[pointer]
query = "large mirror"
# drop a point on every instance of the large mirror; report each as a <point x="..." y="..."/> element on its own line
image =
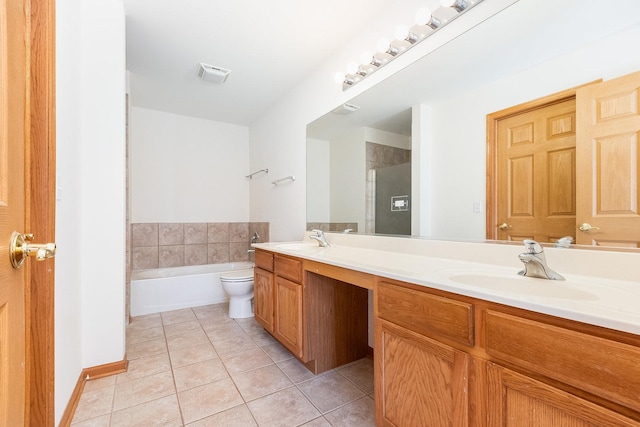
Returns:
<point x="432" y="116"/>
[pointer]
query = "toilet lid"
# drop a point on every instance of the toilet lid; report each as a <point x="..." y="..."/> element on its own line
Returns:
<point x="237" y="275"/>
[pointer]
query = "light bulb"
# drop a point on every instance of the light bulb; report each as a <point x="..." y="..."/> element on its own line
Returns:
<point x="339" y="77"/>
<point x="352" y="68"/>
<point x="383" y="45"/>
<point x="366" y="58"/>
<point x="423" y="16"/>
<point x="402" y="31"/>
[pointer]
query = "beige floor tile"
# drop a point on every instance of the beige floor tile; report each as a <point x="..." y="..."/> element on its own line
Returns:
<point x="143" y="390"/>
<point x="145" y="366"/>
<point x="144" y="322"/>
<point x="330" y="391"/>
<point x="216" y="329"/>
<point x="209" y="311"/>
<point x="360" y="413"/>
<point x="286" y="408"/>
<point x="295" y="370"/>
<point x="234" y="344"/>
<point x="260" y="336"/>
<point x="177" y="316"/>
<point x="240" y="416"/>
<point x="190" y="355"/>
<point x="102" y="421"/>
<point x="161" y="412"/>
<point x="319" y="422"/>
<point x="198" y="374"/>
<point x="96" y="384"/>
<point x="209" y="399"/>
<point x="146" y="348"/>
<point x="187" y="339"/>
<point x="260" y="382"/>
<point x="94" y="403"/>
<point x="277" y="352"/>
<point x="246" y="360"/>
<point x="174" y="329"/>
<point x="135" y="336"/>
<point x="360" y="373"/>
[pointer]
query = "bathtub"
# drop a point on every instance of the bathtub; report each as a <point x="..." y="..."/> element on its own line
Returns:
<point x="164" y="289"/>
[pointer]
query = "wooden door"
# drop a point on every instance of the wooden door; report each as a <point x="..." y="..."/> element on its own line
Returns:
<point x="13" y="137"/>
<point x="519" y="401"/>
<point x="419" y="381"/>
<point x="27" y="205"/>
<point x="536" y="177"/>
<point x="288" y="314"/>
<point x="263" y="298"/>
<point x="608" y="158"/>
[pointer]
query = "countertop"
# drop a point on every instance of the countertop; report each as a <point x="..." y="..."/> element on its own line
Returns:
<point x="605" y="302"/>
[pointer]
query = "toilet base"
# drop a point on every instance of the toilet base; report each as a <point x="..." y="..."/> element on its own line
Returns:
<point x="241" y="307"/>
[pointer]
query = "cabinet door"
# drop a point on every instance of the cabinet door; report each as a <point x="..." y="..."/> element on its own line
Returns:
<point x="419" y="381"/>
<point x="288" y="315"/>
<point x="519" y="401"/>
<point x="263" y="298"/>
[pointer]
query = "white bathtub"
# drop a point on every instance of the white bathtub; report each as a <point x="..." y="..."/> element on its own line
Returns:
<point x="164" y="289"/>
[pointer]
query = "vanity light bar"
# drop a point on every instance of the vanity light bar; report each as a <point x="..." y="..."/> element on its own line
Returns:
<point x="407" y="38"/>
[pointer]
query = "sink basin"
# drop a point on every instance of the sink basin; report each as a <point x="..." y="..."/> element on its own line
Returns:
<point x="512" y="283"/>
<point x="298" y="246"/>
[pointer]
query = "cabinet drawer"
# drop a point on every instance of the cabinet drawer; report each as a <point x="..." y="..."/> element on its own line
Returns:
<point x="264" y="260"/>
<point x="289" y="268"/>
<point x="426" y="314"/>
<point x="600" y="366"/>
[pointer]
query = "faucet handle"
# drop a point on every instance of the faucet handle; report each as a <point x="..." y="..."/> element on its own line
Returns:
<point x="532" y="246"/>
<point x="318" y="232"/>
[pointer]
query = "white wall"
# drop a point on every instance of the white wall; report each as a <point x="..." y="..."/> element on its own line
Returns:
<point x="348" y="177"/>
<point x="68" y="287"/>
<point x="318" y="179"/>
<point x="458" y="152"/>
<point x="387" y="138"/>
<point x="90" y="209"/>
<point x="185" y="169"/>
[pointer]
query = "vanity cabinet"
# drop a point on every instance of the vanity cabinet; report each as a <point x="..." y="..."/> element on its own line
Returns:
<point x="263" y="291"/>
<point x="421" y="380"/>
<point x="317" y="312"/>
<point x="278" y="299"/>
<point x="446" y="359"/>
<point x="546" y="371"/>
<point x="518" y="400"/>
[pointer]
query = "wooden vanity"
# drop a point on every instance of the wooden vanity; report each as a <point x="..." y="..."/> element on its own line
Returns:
<point x="446" y="359"/>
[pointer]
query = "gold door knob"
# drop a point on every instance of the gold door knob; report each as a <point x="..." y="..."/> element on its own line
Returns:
<point x="587" y="227"/>
<point x="20" y="248"/>
<point x="504" y="226"/>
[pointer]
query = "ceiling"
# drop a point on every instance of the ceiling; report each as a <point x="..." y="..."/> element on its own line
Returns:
<point x="268" y="46"/>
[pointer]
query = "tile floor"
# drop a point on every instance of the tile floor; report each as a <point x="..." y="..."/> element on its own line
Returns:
<point x="198" y="367"/>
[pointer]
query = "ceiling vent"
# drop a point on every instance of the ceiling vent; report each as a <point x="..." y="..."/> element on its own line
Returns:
<point x="345" y="109"/>
<point x="210" y="73"/>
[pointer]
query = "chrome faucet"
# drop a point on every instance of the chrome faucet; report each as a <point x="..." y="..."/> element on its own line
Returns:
<point x="319" y="237"/>
<point x="535" y="263"/>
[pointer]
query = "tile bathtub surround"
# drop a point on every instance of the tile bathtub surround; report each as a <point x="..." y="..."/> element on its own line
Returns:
<point x="158" y="245"/>
<point x="198" y="367"/>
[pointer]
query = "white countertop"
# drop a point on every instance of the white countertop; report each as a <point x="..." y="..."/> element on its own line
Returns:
<point x="602" y="301"/>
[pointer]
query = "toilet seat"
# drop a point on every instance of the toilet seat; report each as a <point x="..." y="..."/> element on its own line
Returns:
<point x="237" y="275"/>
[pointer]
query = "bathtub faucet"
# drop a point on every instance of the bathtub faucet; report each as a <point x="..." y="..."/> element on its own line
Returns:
<point x="319" y="237"/>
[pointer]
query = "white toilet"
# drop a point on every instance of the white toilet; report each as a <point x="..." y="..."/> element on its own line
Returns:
<point x="238" y="285"/>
